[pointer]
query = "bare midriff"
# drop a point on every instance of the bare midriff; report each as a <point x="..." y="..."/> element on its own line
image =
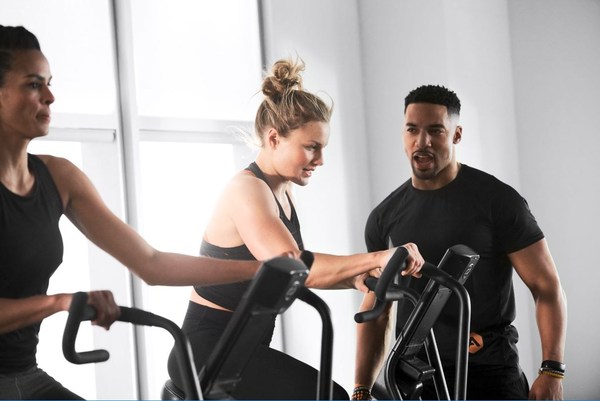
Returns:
<point x="205" y="302"/>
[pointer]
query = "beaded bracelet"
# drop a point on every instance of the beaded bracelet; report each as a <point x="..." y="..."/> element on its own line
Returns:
<point x="361" y="393"/>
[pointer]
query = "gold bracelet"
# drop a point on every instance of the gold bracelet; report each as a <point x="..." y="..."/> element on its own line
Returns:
<point x="551" y="373"/>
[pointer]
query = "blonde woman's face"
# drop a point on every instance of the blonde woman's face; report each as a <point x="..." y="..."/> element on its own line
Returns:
<point x="297" y="156"/>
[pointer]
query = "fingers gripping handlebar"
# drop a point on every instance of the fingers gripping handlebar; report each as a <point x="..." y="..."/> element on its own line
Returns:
<point x="380" y="286"/>
<point x="80" y="311"/>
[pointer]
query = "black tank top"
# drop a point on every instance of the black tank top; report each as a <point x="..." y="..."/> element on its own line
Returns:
<point x="31" y="249"/>
<point x="229" y="295"/>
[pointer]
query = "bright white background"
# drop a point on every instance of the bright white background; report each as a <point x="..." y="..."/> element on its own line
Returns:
<point x="526" y="72"/>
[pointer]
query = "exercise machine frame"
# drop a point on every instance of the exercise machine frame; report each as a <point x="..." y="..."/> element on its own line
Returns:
<point x="403" y="373"/>
<point x="277" y="284"/>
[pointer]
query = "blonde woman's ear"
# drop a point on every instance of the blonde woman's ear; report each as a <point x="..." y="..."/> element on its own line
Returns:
<point x="273" y="137"/>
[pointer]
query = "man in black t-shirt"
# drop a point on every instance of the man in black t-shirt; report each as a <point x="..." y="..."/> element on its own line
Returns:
<point x="447" y="203"/>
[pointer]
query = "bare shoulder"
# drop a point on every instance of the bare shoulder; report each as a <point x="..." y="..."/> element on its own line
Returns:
<point x="58" y="166"/>
<point x="69" y="179"/>
<point x="243" y="196"/>
<point x="247" y="184"/>
<point x="247" y="194"/>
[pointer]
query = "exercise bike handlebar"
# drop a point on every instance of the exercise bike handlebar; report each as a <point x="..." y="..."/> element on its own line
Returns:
<point x="381" y="285"/>
<point x="386" y="290"/>
<point x="80" y="311"/>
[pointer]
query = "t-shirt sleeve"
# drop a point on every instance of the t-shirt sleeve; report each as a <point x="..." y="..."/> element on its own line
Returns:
<point x="516" y="227"/>
<point x="374" y="236"/>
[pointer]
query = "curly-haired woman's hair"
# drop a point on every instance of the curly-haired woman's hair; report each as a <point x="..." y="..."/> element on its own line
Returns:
<point x="14" y="38"/>
<point x="434" y="94"/>
<point x="287" y="106"/>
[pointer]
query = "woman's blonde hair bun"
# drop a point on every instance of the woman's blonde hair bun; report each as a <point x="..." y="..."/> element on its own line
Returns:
<point x="284" y="77"/>
<point x="287" y="105"/>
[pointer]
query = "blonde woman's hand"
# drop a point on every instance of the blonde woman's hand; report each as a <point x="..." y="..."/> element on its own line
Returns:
<point x="414" y="260"/>
<point x="359" y="281"/>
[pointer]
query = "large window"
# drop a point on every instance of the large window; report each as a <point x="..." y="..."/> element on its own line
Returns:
<point x="173" y="213"/>
<point x="197" y="67"/>
<point x="196" y="59"/>
<point x="150" y="95"/>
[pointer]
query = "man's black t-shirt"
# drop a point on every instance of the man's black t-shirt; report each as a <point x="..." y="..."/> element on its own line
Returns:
<point x="479" y="211"/>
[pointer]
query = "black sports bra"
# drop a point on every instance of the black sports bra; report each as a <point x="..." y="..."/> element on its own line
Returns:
<point x="229" y="295"/>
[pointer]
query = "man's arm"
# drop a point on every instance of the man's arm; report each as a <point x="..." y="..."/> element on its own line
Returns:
<point x="372" y="339"/>
<point x="535" y="266"/>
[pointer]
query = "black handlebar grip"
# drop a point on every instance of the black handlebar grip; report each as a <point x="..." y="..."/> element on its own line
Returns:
<point x="307" y="258"/>
<point x="371" y="314"/>
<point x="380" y="286"/>
<point x="393" y="267"/>
<point x="371" y="283"/>
<point x="80" y="311"/>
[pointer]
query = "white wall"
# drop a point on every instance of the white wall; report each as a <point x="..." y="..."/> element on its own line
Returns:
<point x="556" y="59"/>
<point x="527" y="74"/>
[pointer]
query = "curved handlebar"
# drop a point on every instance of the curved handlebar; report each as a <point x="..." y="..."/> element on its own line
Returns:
<point x="80" y="311"/>
<point x="380" y="286"/>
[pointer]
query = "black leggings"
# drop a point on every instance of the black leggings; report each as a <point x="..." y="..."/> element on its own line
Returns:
<point x="33" y="384"/>
<point x="270" y="374"/>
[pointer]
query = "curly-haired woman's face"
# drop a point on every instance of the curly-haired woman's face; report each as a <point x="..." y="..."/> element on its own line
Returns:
<point x="25" y="97"/>
<point x="297" y="156"/>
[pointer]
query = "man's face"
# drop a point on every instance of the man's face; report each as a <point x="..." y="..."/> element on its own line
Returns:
<point x="429" y="136"/>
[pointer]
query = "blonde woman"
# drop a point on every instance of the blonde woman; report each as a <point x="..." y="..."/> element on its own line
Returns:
<point x="255" y="218"/>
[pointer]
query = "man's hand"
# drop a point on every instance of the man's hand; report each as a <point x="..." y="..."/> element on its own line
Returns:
<point x="546" y="388"/>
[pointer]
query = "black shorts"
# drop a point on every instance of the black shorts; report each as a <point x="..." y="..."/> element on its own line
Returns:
<point x="489" y="383"/>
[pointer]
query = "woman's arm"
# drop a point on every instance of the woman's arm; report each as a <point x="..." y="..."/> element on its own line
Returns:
<point x="333" y="271"/>
<point x="253" y="211"/>
<point x="18" y="313"/>
<point x="85" y="208"/>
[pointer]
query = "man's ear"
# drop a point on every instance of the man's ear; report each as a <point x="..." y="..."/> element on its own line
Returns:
<point x="457" y="135"/>
<point x="273" y="138"/>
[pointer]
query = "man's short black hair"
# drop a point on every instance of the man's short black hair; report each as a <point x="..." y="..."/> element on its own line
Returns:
<point x="434" y="94"/>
